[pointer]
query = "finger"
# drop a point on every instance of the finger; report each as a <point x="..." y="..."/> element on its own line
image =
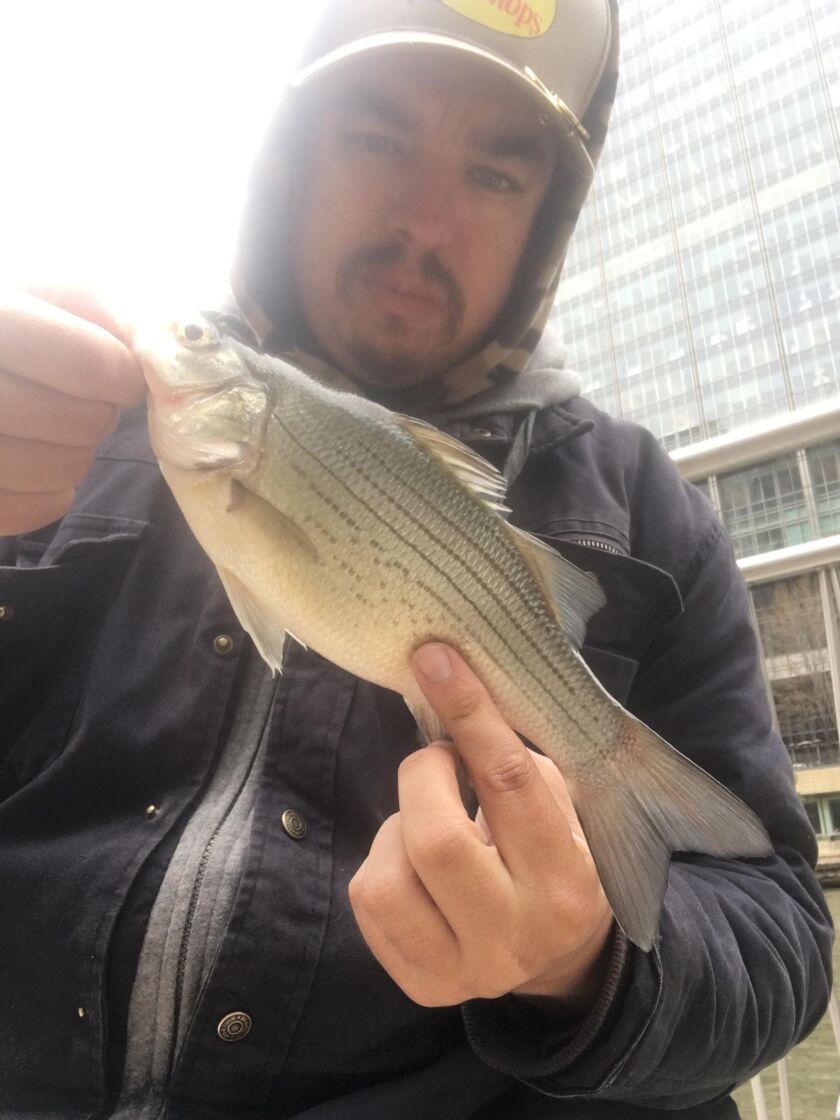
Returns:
<point x="42" y="343"/>
<point x="82" y="303"/>
<point x="32" y="411"/>
<point x="528" y="825"/>
<point x="403" y="928"/>
<point x="462" y="873"/>
<point x="556" y="783"/>
<point x="30" y="467"/>
<point x="24" y="513"/>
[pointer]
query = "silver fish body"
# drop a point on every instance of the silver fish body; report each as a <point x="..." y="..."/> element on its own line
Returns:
<point x="364" y="534"/>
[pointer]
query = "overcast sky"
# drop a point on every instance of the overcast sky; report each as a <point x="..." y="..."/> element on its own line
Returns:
<point x="126" y="130"/>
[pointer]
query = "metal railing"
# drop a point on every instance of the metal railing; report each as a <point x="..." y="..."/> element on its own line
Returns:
<point x="757" y="1086"/>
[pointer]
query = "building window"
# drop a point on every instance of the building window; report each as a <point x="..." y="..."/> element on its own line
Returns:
<point x="764" y="508"/>
<point x="792" y="632"/>
<point x="824" y="463"/>
<point x="824" y="815"/>
<point x="680" y="244"/>
<point x="812" y="808"/>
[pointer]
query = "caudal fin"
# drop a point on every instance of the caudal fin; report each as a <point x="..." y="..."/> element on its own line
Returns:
<point x="659" y="803"/>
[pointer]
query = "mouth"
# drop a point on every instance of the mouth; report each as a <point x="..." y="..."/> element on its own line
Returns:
<point x="405" y="298"/>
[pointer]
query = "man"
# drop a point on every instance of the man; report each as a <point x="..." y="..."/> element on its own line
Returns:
<point x="227" y="895"/>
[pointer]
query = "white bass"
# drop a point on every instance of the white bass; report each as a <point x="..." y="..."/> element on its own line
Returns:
<point x="363" y="534"/>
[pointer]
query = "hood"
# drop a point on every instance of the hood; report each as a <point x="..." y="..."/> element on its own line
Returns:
<point x="491" y="379"/>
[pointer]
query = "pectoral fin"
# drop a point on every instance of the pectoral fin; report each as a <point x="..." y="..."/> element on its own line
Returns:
<point x="244" y="502"/>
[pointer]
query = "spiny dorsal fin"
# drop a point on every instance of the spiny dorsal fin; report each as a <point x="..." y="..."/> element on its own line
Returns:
<point x="575" y="595"/>
<point x="469" y="468"/>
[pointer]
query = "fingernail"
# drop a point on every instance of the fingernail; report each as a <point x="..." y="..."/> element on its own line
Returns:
<point x="433" y="662"/>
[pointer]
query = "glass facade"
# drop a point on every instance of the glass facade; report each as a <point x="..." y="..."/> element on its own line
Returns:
<point x="786" y="501"/>
<point x="824" y="815"/>
<point x="702" y="287"/>
<point x="763" y="508"/>
<point x="702" y="292"/>
<point x="791" y="626"/>
<point x="823" y="464"/>
<point x="781" y="502"/>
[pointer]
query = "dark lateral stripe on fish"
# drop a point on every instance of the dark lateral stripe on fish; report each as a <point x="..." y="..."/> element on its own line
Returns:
<point x="431" y="592"/>
<point x="555" y="670"/>
<point x="560" y="667"/>
<point x="542" y="662"/>
<point x="524" y="604"/>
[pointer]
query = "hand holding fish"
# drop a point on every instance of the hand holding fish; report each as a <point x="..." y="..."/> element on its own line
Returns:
<point x="64" y="371"/>
<point x="456" y="909"/>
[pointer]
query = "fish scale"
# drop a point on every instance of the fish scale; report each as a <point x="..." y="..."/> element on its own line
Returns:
<point x="364" y="534"/>
<point x="456" y="552"/>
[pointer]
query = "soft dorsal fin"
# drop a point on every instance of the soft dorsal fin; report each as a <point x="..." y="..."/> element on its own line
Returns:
<point x="466" y="465"/>
<point x="575" y="595"/>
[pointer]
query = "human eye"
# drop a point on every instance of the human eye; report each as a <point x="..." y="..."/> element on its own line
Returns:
<point x="495" y="181"/>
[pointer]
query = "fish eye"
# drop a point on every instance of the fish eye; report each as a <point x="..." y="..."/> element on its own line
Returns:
<point x="197" y="335"/>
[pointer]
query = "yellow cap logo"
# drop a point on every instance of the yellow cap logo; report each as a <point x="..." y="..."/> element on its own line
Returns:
<point x="524" y="18"/>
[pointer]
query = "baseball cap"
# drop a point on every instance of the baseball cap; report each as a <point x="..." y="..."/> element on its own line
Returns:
<point x="554" y="50"/>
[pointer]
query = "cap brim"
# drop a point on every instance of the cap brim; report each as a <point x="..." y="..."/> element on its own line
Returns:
<point x="553" y="112"/>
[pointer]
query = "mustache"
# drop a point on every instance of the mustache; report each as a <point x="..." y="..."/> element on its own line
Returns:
<point x="372" y="258"/>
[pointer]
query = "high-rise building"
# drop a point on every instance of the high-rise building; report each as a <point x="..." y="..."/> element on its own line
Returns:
<point x="702" y="299"/>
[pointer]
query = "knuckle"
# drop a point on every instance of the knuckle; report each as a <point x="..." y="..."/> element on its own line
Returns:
<point x="465" y="707"/>
<point x="509" y="771"/>
<point x="491" y="977"/>
<point x="427" y="993"/>
<point x="526" y="960"/>
<point x="100" y="419"/>
<point x="411" y="762"/>
<point x="438" y="846"/>
<point x="485" y="988"/>
<point x="379" y="892"/>
<point x="441" y="983"/>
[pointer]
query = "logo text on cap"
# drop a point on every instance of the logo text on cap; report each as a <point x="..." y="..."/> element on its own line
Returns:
<point x="522" y="18"/>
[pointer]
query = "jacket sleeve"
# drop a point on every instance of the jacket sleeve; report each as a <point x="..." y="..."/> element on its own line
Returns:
<point x="742" y="969"/>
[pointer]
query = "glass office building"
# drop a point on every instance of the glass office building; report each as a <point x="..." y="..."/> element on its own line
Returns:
<point x="702" y="295"/>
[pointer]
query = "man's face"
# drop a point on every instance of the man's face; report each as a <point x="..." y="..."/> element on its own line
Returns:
<point x="423" y="184"/>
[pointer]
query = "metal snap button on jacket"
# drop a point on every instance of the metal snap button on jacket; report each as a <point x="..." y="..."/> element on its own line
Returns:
<point x="234" y="1026"/>
<point x="294" y="824"/>
<point x="223" y="643"/>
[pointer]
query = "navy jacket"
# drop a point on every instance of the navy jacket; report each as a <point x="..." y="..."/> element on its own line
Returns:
<point x="114" y="696"/>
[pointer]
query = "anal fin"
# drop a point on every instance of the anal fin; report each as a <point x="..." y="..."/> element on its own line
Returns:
<point x="428" y="721"/>
<point x="262" y="623"/>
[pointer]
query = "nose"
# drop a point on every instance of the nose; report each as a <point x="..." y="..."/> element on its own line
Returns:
<point x="423" y="213"/>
